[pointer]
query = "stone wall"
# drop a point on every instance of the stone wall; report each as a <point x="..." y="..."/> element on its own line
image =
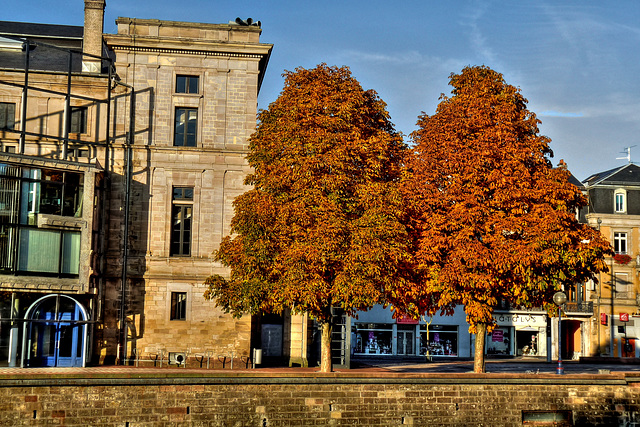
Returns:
<point x="244" y="399"/>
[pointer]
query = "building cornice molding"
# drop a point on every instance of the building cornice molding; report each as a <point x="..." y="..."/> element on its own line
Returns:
<point x="179" y="46"/>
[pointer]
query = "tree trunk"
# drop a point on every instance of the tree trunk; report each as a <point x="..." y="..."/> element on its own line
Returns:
<point x="325" y="344"/>
<point x="478" y="357"/>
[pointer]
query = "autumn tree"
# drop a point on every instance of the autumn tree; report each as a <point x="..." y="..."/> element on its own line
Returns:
<point x="321" y="227"/>
<point x="492" y="219"/>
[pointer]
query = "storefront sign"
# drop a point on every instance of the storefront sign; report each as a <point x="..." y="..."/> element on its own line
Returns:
<point x="497" y="335"/>
<point x="603" y="319"/>
<point x="624" y="317"/>
<point x="515" y="319"/>
<point x="406" y="320"/>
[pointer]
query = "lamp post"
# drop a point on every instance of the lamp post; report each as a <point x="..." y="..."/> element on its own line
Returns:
<point x="559" y="298"/>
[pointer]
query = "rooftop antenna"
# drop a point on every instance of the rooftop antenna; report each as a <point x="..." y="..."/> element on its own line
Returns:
<point x="626" y="151"/>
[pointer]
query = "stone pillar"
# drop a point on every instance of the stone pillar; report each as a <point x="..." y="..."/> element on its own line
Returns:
<point x="15" y="331"/>
<point x="298" y="344"/>
<point x="93" y="29"/>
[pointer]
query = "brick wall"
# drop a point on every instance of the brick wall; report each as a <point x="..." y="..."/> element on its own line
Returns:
<point x="313" y="399"/>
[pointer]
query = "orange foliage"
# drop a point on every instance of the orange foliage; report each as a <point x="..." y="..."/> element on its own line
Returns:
<point x="321" y="227"/>
<point x="491" y="218"/>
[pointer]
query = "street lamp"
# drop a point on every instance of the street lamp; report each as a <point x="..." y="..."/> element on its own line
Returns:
<point x="559" y="298"/>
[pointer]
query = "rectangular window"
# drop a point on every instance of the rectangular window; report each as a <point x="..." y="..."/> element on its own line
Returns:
<point x="621" y="285"/>
<point x="441" y="340"/>
<point x="49" y="251"/>
<point x="187" y="84"/>
<point x="185" y="127"/>
<point x="620" y="202"/>
<point x="7" y="115"/>
<point x="78" y="120"/>
<point x="620" y="243"/>
<point x="178" y="306"/>
<point x="181" y="214"/>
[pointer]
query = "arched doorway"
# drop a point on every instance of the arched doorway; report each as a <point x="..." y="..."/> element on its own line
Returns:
<point x="55" y="332"/>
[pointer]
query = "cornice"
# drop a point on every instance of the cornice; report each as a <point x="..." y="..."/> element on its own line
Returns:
<point x="188" y="46"/>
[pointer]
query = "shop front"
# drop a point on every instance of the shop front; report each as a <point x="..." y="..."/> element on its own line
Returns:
<point x="377" y="333"/>
<point x="518" y="334"/>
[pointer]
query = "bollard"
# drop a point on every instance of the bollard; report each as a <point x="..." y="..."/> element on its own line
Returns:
<point x="257" y="357"/>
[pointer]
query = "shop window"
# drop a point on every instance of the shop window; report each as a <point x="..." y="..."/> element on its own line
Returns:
<point x="527" y="342"/>
<point x="620" y="243"/>
<point x="181" y="213"/>
<point x="187" y="84"/>
<point x="178" y="306"/>
<point x="439" y="340"/>
<point x="7" y="115"/>
<point x="374" y="338"/>
<point x="499" y="342"/>
<point x="186" y="124"/>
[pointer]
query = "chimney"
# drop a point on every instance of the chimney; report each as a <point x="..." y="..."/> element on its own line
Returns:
<point x="93" y="29"/>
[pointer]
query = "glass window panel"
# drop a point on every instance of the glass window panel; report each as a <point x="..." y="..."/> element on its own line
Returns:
<point x="186" y="127"/>
<point x="7" y="243"/>
<point x="50" y="198"/>
<point x="9" y="192"/>
<point x="73" y="190"/>
<point x="178" y="306"/>
<point x="187" y="84"/>
<point x="193" y="85"/>
<point x="39" y="250"/>
<point x="181" y="84"/>
<point x="78" y="120"/>
<point x="70" y="253"/>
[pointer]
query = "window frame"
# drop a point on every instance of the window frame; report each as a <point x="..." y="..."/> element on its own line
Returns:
<point x="78" y="119"/>
<point x="620" y="201"/>
<point x="621" y="285"/>
<point x="620" y="238"/>
<point x="181" y="207"/>
<point x="182" y="138"/>
<point x="178" y="305"/>
<point x="191" y="83"/>
<point x="9" y="121"/>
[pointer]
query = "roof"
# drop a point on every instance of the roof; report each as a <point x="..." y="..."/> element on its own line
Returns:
<point x="628" y="174"/>
<point x="575" y="181"/>
<point x="27" y="29"/>
<point x="50" y="50"/>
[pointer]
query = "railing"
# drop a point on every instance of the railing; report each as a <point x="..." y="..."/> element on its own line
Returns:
<point x="579" y="307"/>
<point x="570" y="307"/>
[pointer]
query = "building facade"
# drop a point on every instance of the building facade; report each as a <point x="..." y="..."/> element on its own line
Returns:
<point x="121" y="156"/>
<point x="614" y="209"/>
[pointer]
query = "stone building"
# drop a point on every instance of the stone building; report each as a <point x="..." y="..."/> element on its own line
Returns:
<point x="614" y="209"/>
<point x="120" y="150"/>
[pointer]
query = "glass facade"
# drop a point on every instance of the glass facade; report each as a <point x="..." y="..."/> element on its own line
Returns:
<point x="26" y="193"/>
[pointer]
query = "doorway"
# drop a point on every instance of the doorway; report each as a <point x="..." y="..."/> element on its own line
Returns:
<point x="57" y="332"/>
<point x="405" y="343"/>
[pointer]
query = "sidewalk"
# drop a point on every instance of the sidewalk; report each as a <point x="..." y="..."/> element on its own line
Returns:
<point x="377" y="367"/>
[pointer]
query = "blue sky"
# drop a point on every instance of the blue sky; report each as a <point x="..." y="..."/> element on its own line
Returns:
<point x="577" y="62"/>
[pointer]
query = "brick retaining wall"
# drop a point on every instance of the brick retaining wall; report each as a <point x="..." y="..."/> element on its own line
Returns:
<point x="248" y="399"/>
